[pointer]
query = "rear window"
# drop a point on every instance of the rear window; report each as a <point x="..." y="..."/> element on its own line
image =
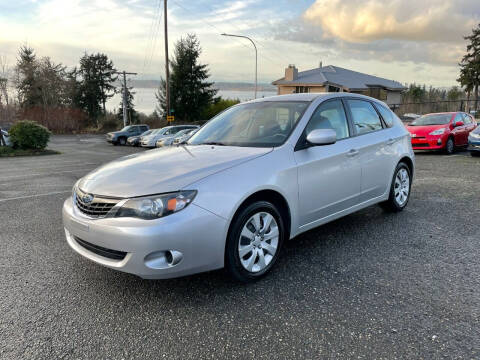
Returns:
<point x="365" y="118"/>
<point x="387" y="114"/>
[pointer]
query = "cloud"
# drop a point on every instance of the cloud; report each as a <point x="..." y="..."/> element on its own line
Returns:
<point x="429" y="32"/>
<point x="368" y="20"/>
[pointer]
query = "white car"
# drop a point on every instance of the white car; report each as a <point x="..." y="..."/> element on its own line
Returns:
<point x="150" y="141"/>
<point x="184" y="137"/>
<point x="258" y="174"/>
<point x="168" y="141"/>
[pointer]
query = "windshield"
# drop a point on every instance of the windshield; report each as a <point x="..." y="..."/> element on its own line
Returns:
<point x="433" y="119"/>
<point x="259" y="124"/>
<point x="182" y="132"/>
<point x="126" y="128"/>
<point x="148" y="132"/>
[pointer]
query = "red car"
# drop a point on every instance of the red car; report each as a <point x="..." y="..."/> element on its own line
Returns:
<point x="441" y="131"/>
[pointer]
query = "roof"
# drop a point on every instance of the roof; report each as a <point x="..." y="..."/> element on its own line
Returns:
<point x="334" y="75"/>
<point x="311" y="96"/>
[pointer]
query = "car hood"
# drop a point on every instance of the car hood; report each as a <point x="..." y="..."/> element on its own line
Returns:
<point x="115" y="132"/>
<point x="424" y="130"/>
<point x="164" y="170"/>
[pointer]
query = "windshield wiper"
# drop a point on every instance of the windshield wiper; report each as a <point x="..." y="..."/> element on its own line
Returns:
<point x="213" y="143"/>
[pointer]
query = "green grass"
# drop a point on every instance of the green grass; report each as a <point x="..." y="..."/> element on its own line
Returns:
<point x="6" y="151"/>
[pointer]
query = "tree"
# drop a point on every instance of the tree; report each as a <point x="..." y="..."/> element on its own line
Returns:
<point x="4" y="79"/>
<point x="470" y="65"/>
<point x="96" y="86"/>
<point x="454" y="93"/>
<point x="26" y="81"/>
<point x="219" y="104"/>
<point x="190" y="92"/>
<point x="132" y="115"/>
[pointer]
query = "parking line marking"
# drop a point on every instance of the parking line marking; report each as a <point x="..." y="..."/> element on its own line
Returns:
<point x="36" y="195"/>
<point x="38" y="174"/>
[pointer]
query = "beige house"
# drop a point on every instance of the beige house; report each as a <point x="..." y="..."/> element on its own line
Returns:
<point x="336" y="79"/>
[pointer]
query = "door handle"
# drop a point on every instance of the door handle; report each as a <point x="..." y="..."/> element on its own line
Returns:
<point x="390" y="141"/>
<point x="352" y="152"/>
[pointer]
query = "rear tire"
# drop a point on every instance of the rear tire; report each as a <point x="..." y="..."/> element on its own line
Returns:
<point x="254" y="241"/>
<point x="450" y="146"/>
<point x="475" y="153"/>
<point x="399" y="189"/>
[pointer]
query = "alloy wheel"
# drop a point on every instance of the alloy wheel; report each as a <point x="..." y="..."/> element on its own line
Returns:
<point x="402" y="186"/>
<point x="258" y="242"/>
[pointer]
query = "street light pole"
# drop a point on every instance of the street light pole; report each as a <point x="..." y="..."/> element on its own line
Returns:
<point x="256" y="55"/>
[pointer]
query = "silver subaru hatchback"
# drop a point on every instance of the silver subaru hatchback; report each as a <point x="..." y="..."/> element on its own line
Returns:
<point x="256" y="175"/>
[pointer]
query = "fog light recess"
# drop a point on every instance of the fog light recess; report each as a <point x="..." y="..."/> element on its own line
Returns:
<point x="163" y="259"/>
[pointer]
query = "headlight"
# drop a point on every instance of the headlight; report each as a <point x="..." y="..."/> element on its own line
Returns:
<point x="156" y="206"/>
<point x="437" y="132"/>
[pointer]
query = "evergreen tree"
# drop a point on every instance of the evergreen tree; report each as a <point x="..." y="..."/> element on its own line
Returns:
<point x="26" y="81"/>
<point x="470" y="65"/>
<point x="132" y="115"/>
<point x="190" y="92"/>
<point x="96" y="85"/>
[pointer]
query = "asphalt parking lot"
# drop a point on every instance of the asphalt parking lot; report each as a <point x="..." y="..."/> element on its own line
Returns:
<point x="370" y="285"/>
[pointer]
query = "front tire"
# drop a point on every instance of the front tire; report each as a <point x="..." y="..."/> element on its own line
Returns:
<point x="122" y="141"/>
<point x="399" y="189"/>
<point x="450" y="146"/>
<point x="475" y="153"/>
<point x="254" y="241"/>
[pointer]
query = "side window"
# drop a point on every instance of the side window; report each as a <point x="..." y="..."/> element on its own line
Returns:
<point x="458" y="117"/>
<point x="365" y="118"/>
<point x="330" y="115"/>
<point x="467" y="119"/>
<point x="387" y="114"/>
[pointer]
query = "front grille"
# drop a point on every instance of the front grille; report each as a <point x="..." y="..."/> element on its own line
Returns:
<point x="93" y="206"/>
<point x="101" y="251"/>
<point x="421" y="145"/>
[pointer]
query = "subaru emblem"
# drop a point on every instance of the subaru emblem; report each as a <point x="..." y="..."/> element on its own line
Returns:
<point x="87" y="199"/>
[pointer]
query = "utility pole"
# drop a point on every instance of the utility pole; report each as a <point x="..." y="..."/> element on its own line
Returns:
<point x="124" y="97"/>
<point x="167" y="70"/>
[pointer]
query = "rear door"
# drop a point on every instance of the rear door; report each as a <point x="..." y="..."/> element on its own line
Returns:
<point x="328" y="175"/>
<point x="374" y="142"/>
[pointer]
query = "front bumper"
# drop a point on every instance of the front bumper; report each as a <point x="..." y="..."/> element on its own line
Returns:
<point x="473" y="145"/>
<point x="149" y="144"/>
<point x="429" y="143"/>
<point x="197" y="234"/>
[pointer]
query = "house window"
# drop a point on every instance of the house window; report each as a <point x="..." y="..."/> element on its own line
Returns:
<point x="332" y="88"/>
<point x="378" y="93"/>
<point x="301" y="89"/>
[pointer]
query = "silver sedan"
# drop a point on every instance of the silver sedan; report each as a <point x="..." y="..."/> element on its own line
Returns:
<point x="255" y="176"/>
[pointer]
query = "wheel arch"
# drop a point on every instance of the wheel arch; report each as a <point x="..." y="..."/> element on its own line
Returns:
<point x="272" y="196"/>
<point x="409" y="162"/>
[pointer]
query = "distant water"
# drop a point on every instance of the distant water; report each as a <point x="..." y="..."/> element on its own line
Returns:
<point x="145" y="101"/>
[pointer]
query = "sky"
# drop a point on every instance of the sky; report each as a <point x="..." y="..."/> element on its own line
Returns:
<point x="404" y="40"/>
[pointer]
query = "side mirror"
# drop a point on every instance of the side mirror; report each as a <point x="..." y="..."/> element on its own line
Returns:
<point x="458" y="123"/>
<point x="322" y="137"/>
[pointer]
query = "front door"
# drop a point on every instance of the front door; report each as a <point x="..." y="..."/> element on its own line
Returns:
<point x="328" y="175"/>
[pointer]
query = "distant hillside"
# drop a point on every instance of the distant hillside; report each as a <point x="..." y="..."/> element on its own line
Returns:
<point x="236" y="86"/>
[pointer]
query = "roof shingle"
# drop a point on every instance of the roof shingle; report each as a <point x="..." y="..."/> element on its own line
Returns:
<point x="335" y="75"/>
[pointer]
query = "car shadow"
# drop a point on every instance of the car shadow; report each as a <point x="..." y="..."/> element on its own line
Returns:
<point x="318" y="258"/>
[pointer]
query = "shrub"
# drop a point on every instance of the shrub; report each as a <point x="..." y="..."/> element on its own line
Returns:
<point x="29" y="135"/>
